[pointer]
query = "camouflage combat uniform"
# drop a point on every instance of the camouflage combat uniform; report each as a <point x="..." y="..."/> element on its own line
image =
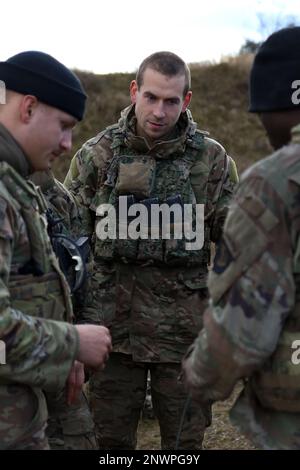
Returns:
<point x="255" y="313"/>
<point x="150" y="293"/>
<point x="33" y="295"/>
<point x="70" y="427"/>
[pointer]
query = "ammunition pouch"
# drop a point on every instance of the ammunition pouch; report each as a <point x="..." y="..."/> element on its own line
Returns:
<point x="136" y="175"/>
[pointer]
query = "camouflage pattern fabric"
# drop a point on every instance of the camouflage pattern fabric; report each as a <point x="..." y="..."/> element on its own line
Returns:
<point x="70" y="427"/>
<point x="152" y="302"/>
<point x="117" y="397"/>
<point x="39" y="351"/>
<point x="254" y="316"/>
<point x="60" y="200"/>
<point x="152" y="313"/>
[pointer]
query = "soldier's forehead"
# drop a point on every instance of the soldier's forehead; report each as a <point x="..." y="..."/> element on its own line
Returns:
<point x="162" y="85"/>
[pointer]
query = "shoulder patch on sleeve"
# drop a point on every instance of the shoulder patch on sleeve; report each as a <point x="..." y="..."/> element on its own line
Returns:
<point x="223" y="257"/>
<point x="244" y="241"/>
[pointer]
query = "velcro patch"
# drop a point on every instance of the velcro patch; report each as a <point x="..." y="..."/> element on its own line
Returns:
<point x="245" y="241"/>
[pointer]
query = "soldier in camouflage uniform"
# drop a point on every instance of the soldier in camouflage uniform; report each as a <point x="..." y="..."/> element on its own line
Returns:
<point x="70" y="427"/>
<point x="150" y="293"/>
<point x="254" y="317"/>
<point x="43" y="351"/>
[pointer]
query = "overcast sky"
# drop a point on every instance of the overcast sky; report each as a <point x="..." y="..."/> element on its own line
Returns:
<point x="106" y="36"/>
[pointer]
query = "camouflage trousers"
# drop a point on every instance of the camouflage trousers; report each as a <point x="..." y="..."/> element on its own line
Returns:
<point x="117" y="397"/>
<point x="70" y="427"/>
<point x="23" y="418"/>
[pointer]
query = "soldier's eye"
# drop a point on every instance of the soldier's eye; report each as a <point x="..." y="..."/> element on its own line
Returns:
<point x="150" y="97"/>
<point x="172" y="101"/>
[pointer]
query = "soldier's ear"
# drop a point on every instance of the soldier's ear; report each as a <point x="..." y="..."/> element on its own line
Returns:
<point x="186" y="101"/>
<point x="133" y="91"/>
<point x="27" y="108"/>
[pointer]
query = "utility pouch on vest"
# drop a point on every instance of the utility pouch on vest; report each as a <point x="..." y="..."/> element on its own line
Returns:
<point x="136" y="175"/>
<point x="39" y="296"/>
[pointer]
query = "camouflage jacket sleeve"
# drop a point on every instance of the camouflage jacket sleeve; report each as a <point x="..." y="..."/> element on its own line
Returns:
<point x="223" y="180"/>
<point x="60" y="201"/>
<point x="252" y="292"/>
<point x="65" y="206"/>
<point x="38" y="352"/>
<point x="85" y="175"/>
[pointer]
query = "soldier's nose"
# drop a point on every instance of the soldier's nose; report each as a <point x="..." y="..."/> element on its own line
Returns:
<point x="158" y="111"/>
<point x="66" y="142"/>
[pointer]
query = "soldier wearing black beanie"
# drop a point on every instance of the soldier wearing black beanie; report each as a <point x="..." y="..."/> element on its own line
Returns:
<point x="275" y="85"/>
<point x="39" y="74"/>
<point x="44" y="352"/>
<point x="275" y="70"/>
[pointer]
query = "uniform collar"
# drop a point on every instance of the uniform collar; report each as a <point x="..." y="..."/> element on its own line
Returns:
<point x="174" y="143"/>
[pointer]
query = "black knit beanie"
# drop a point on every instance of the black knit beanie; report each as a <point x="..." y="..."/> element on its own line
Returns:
<point x="39" y="74"/>
<point x="276" y="66"/>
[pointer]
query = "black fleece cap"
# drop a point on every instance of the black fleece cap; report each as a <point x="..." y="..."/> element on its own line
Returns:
<point x="39" y="74"/>
<point x="276" y="66"/>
